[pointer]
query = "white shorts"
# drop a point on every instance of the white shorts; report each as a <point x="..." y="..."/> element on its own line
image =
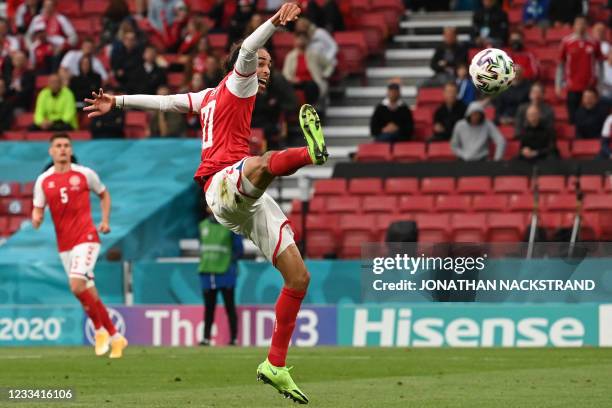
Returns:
<point x="80" y="261"/>
<point x="259" y="219"/>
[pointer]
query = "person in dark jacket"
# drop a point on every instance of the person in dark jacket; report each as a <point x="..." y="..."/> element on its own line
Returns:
<point x="392" y="118"/>
<point x="537" y="139"/>
<point x="149" y="76"/>
<point x="507" y="103"/>
<point x="126" y="60"/>
<point x="6" y="109"/>
<point x="20" y="81"/>
<point x="564" y="12"/>
<point x="447" y="114"/>
<point x="446" y="58"/>
<point x="85" y="83"/>
<point x="590" y="116"/>
<point x="490" y="25"/>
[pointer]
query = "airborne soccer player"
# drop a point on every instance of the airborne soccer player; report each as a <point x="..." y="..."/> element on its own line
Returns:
<point x="65" y="188"/>
<point x="235" y="183"/>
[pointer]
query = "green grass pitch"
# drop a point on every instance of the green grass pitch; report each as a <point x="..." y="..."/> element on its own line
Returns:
<point x="332" y="377"/>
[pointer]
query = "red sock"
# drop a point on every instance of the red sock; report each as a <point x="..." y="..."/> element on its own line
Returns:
<point x="286" y="162"/>
<point x="89" y="305"/>
<point x="287" y="308"/>
<point x="105" y="318"/>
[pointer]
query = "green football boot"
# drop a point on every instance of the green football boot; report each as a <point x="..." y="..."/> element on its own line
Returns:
<point x="313" y="133"/>
<point x="279" y="378"/>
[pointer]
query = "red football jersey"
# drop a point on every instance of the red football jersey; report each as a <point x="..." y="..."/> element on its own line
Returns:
<point x="580" y="56"/>
<point x="225" y="116"/>
<point x="67" y="195"/>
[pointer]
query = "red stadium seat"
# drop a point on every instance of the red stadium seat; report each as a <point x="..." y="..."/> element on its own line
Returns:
<point x="550" y="221"/>
<point x="585" y="148"/>
<point x="474" y="185"/>
<point x="352" y="51"/>
<point x="422" y="131"/>
<point x="561" y="115"/>
<point x="346" y="204"/>
<point x="355" y="231"/>
<point x="560" y="202"/>
<point x="318" y="204"/>
<point x="489" y="203"/>
<point x="510" y="184"/>
<point x="588" y="184"/>
<point x="39" y="135"/>
<point x="433" y="227"/>
<point x="507" y="131"/>
<point x="550" y="54"/>
<point x="24" y="120"/>
<point x="9" y="189"/>
<point x="321" y="236"/>
<point x="554" y="35"/>
<point x="374" y="28"/>
<point x="27" y="189"/>
<point x="16" y="206"/>
<point x="295" y="220"/>
<point x="80" y="135"/>
<point x="416" y="204"/>
<point x="380" y="204"/>
<point x="468" y="227"/>
<point x="409" y="151"/>
<point x="94" y="7"/>
<point x="402" y="185"/>
<point x="282" y="43"/>
<point x="393" y="11"/>
<point x="564" y="130"/>
<point x="430" y="97"/>
<point x="564" y="149"/>
<point x="335" y="186"/>
<point x="13" y="135"/>
<point x="15" y="223"/>
<point x="82" y="26"/>
<point x="296" y="206"/>
<point x="597" y="202"/>
<point x="4" y="226"/>
<point x="218" y="42"/>
<point x="437" y="185"/>
<point x="136" y="124"/>
<point x="70" y="9"/>
<point x="515" y="16"/>
<point x="373" y="152"/>
<point x="533" y="36"/>
<point x="422" y="115"/>
<point x="369" y="185"/>
<point x="551" y="184"/>
<point x="521" y="203"/>
<point x="440" y="151"/>
<point x="506" y="227"/>
<point x="513" y="147"/>
<point x="176" y="79"/>
<point x="453" y="203"/>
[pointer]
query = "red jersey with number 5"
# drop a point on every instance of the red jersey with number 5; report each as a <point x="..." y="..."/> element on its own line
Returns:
<point x="67" y="195"/>
<point x="225" y="116"/>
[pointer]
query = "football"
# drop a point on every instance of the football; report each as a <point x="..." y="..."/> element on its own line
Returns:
<point x="492" y="71"/>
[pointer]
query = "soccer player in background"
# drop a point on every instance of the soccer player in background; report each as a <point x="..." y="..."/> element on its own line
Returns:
<point x="65" y="188"/>
<point x="235" y="183"/>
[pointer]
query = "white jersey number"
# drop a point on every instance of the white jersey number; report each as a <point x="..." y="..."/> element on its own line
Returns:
<point x="206" y="115"/>
<point x="63" y="195"/>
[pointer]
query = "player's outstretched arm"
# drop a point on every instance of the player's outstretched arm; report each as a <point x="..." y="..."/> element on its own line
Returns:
<point x="38" y="215"/>
<point x="105" y="205"/>
<point x="101" y="103"/>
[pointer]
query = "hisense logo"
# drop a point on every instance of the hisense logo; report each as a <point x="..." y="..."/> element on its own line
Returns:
<point x="398" y="327"/>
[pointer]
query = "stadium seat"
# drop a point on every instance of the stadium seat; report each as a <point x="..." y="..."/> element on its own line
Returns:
<point x="453" y="203"/>
<point x="533" y="36"/>
<point x="546" y="54"/>
<point x="136" y="124"/>
<point x="13" y="135"/>
<point x="511" y="152"/>
<point x="510" y="184"/>
<point x="422" y="131"/>
<point x="422" y="115"/>
<point x="393" y="11"/>
<point x="296" y="206"/>
<point x="373" y="152"/>
<point x="507" y="131"/>
<point x="380" y="204"/>
<point x="563" y="146"/>
<point x="94" y="8"/>
<point x="38" y="135"/>
<point x="560" y="202"/>
<point x="82" y="26"/>
<point x="9" y="189"/>
<point x="416" y="204"/>
<point x="402" y="185"/>
<point x="15" y="223"/>
<point x="550" y="221"/>
<point x="318" y="204"/>
<point x="295" y="220"/>
<point x="554" y="35"/>
<point x="561" y="114"/>
<point x="474" y="185"/>
<point x="70" y="9"/>
<point x="27" y="189"/>
<point x="409" y="151"/>
<point x="430" y="97"/>
<point x="346" y="204"/>
<point x="80" y="135"/>
<point x="468" y="227"/>
<point x="352" y="51"/>
<point x="437" y="185"/>
<point x="585" y="148"/>
<point x="506" y="227"/>
<point x="588" y="184"/>
<point x="24" y="120"/>
<point x="564" y="131"/>
<point x="440" y="151"/>
<point x="597" y="202"/>
<point x="176" y="79"/>
<point x="489" y="203"/>
<point x="4" y="226"/>
<point x="433" y="227"/>
<point x="321" y="238"/>
<point x="356" y="231"/>
<point x="551" y="184"/>
<point x="522" y="203"/>
<point x="282" y="43"/>
<point x="335" y="186"/>
<point x="515" y="16"/>
<point x="365" y="186"/>
<point x="16" y="206"/>
<point x="218" y="42"/>
<point x="375" y="30"/>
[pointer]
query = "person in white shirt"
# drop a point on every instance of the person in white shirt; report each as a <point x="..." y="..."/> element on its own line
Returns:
<point x="72" y="58"/>
<point x="320" y="40"/>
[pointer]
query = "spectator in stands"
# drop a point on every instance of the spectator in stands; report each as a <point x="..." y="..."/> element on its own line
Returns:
<point x="307" y="70"/>
<point x="55" y="107"/>
<point x="8" y="43"/>
<point x="535" y="12"/>
<point x="213" y="73"/>
<point x="149" y="76"/>
<point x="116" y="12"/>
<point x="86" y="82"/>
<point x="600" y="34"/>
<point x="161" y="11"/>
<point x="606" y="131"/>
<point x="320" y="40"/>
<point x="25" y="13"/>
<point x="537" y="138"/>
<point x="606" y="81"/>
<point x="563" y="12"/>
<point x="59" y="29"/>
<point x="194" y="30"/>
<point x="200" y="56"/>
<point x="446" y="58"/>
<point x="6" y="109"/>
<point x="109" y="126"/>
<point x="467" y="90"/>
<point x="277" y="101"/>
<point x="221" y="13"/>
<point x="507" y="103"/>
<point x="72" y="60"/>
<point x="240" y="19"/>
<point x="167" y="124"/>
<point x="590" y="116"/>
<point x="44" y="56"/>
<point x="174" y="32"/>
<point x="448" y="114"/>
<point x="522" y="57"/>
<point x="126" y="60"/>
<point x="545" y="111"/>
<point x="20" y="81"/>
<point x="392" y="119"/>
<point x="579" y="57"/>
<point x="471" y="136"/>
<point x="327" y="16"/>
<point x="490" y="25"/>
